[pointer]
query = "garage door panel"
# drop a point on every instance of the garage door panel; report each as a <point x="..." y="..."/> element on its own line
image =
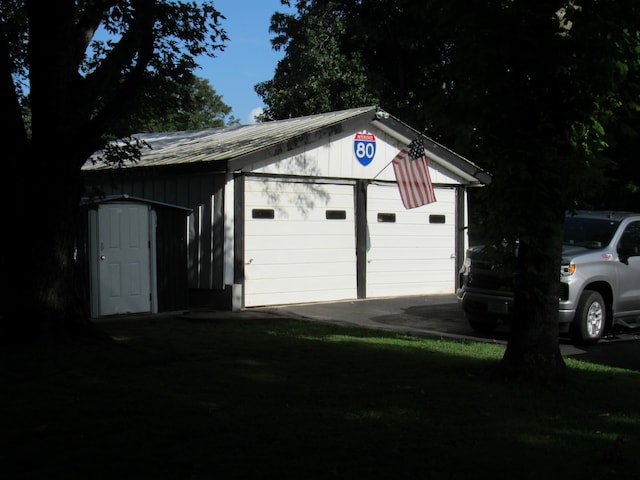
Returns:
<point x="419" y="219"/>
<point x="390" y="242"/>
<point x="271" y="291"/>
<point x="415" y="249"/>
<point x="273" y="243"/>
<point x="287" y="229"/>
<point x="422" y="268"/>
<point x="430" y="219"/>
<point x="312" y="239"/>
<point x="332" y="272"/>
<point x="411" y="255"/>
<point x="295" y="197"/>
<point x="287" y="259"/>
<point x="299" y="255"/>
<point x="305" y="296"/>
<point x="305" y="283"/>
<point x="308" y="211"/>
<point x="295" y="204"/>
<point x="397" y="278"/>
<point x="389" y="202"/>
<point x="391" y="289"/>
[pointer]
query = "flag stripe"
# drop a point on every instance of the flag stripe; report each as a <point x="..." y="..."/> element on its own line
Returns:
<point x="414" y="181"/>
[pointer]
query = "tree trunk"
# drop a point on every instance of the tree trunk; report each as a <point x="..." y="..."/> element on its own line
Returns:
<point x="533" y="351"/>
<point x="45" y="298"/>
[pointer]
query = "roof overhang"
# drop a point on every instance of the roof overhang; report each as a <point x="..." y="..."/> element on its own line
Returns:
<point x="242" y="148"/>
<point x="98" y="200"/>
<point x="440" y="154"/>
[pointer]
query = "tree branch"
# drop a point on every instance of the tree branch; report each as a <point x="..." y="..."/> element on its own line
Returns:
<point x="13" y="131"/>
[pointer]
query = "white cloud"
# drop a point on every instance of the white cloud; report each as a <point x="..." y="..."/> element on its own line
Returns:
<point x="254" y="113"/>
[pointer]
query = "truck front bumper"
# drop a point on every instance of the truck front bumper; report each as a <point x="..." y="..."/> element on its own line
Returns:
<point x="500" y="304"/>
<point x="484" y="303"/>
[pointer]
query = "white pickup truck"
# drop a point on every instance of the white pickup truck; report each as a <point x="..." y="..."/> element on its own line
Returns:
<point x="600" y="279"/>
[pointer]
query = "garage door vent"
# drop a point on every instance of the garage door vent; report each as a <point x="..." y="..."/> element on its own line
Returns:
<point x="267" y="213"/>
<point x="336" y="214"/>
<point x="437" y="219"/>
<point x="386" y="218"/>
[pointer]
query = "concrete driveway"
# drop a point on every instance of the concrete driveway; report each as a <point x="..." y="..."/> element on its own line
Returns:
<point x="441" y="316"/>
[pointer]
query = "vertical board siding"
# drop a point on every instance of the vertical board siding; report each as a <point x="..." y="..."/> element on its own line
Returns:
<point x="204" y="261"/>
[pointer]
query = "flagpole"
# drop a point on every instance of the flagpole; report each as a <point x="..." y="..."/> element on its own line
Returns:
<point x="383" y="169"/>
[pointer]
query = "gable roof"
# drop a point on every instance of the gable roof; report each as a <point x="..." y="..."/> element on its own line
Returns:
<point x="233" y="147"/>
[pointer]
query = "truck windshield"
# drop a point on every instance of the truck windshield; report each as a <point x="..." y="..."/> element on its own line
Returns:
<point x="588" y="232"/>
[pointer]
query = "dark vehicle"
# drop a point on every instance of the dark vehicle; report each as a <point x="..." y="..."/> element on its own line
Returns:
<point x="599" y="275"/>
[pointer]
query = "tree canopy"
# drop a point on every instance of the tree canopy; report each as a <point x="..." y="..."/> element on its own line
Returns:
<point x="192" y="107"/>
<point x="543" y="95"/>
<point x="317" y="74"/>
<point x="65" y="91"/>
<point x="352" y="54"/>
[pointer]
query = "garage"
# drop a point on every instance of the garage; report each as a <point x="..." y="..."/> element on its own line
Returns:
<point x="409" y="252"/>
<point x="299" y="242"/>
<point x="304" y="209"/>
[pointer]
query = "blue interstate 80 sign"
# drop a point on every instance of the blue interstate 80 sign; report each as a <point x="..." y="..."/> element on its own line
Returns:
<point x="364" y="146"/>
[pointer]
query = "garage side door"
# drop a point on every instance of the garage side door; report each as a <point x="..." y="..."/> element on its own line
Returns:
<point x="409" y="252"/>
<point x="123" y="265"/>
<point x="299" y="242"/>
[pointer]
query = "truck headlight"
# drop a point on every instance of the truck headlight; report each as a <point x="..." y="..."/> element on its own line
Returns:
<point x="567" y="269"/>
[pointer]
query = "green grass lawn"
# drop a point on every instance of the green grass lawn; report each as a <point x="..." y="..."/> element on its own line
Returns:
<point x="280" y="398"/>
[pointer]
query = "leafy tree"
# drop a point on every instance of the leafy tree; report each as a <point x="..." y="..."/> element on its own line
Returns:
<point x="194" y="106"/>
<point x="341" y="54"/>
<point x="534" y="93"/>
<point x="80" y="92"/>
<point x="316" y="75"/>
<point x="533" y="90"/>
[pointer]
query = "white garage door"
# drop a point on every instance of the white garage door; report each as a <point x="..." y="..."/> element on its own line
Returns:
<point x="409" y="252"/>
<point x="299" y="242"/>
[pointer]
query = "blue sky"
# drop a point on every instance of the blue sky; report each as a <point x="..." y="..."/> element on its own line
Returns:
<point x="248" y="57"/>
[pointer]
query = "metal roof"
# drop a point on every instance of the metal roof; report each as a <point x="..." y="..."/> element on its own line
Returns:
<point x="237" y="144"/>
<point x="226" y="143"/>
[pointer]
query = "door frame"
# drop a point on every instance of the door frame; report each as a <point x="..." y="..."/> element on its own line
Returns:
<point x="94" y="259"/>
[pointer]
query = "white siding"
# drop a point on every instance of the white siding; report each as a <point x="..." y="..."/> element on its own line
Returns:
<point x="336" y="158"/>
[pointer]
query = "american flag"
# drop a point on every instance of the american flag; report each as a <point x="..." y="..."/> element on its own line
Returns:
<point x="412" y="174"/>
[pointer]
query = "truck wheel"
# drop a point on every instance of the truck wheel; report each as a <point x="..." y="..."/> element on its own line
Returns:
<point x="589" y="323"/>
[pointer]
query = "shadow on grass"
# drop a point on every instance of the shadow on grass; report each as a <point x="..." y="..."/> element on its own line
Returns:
<point x="294" y="399"/>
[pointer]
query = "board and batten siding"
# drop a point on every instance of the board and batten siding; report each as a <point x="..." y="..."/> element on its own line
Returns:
<point x="336" y="159"/>
<point x="202" y="193"/>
